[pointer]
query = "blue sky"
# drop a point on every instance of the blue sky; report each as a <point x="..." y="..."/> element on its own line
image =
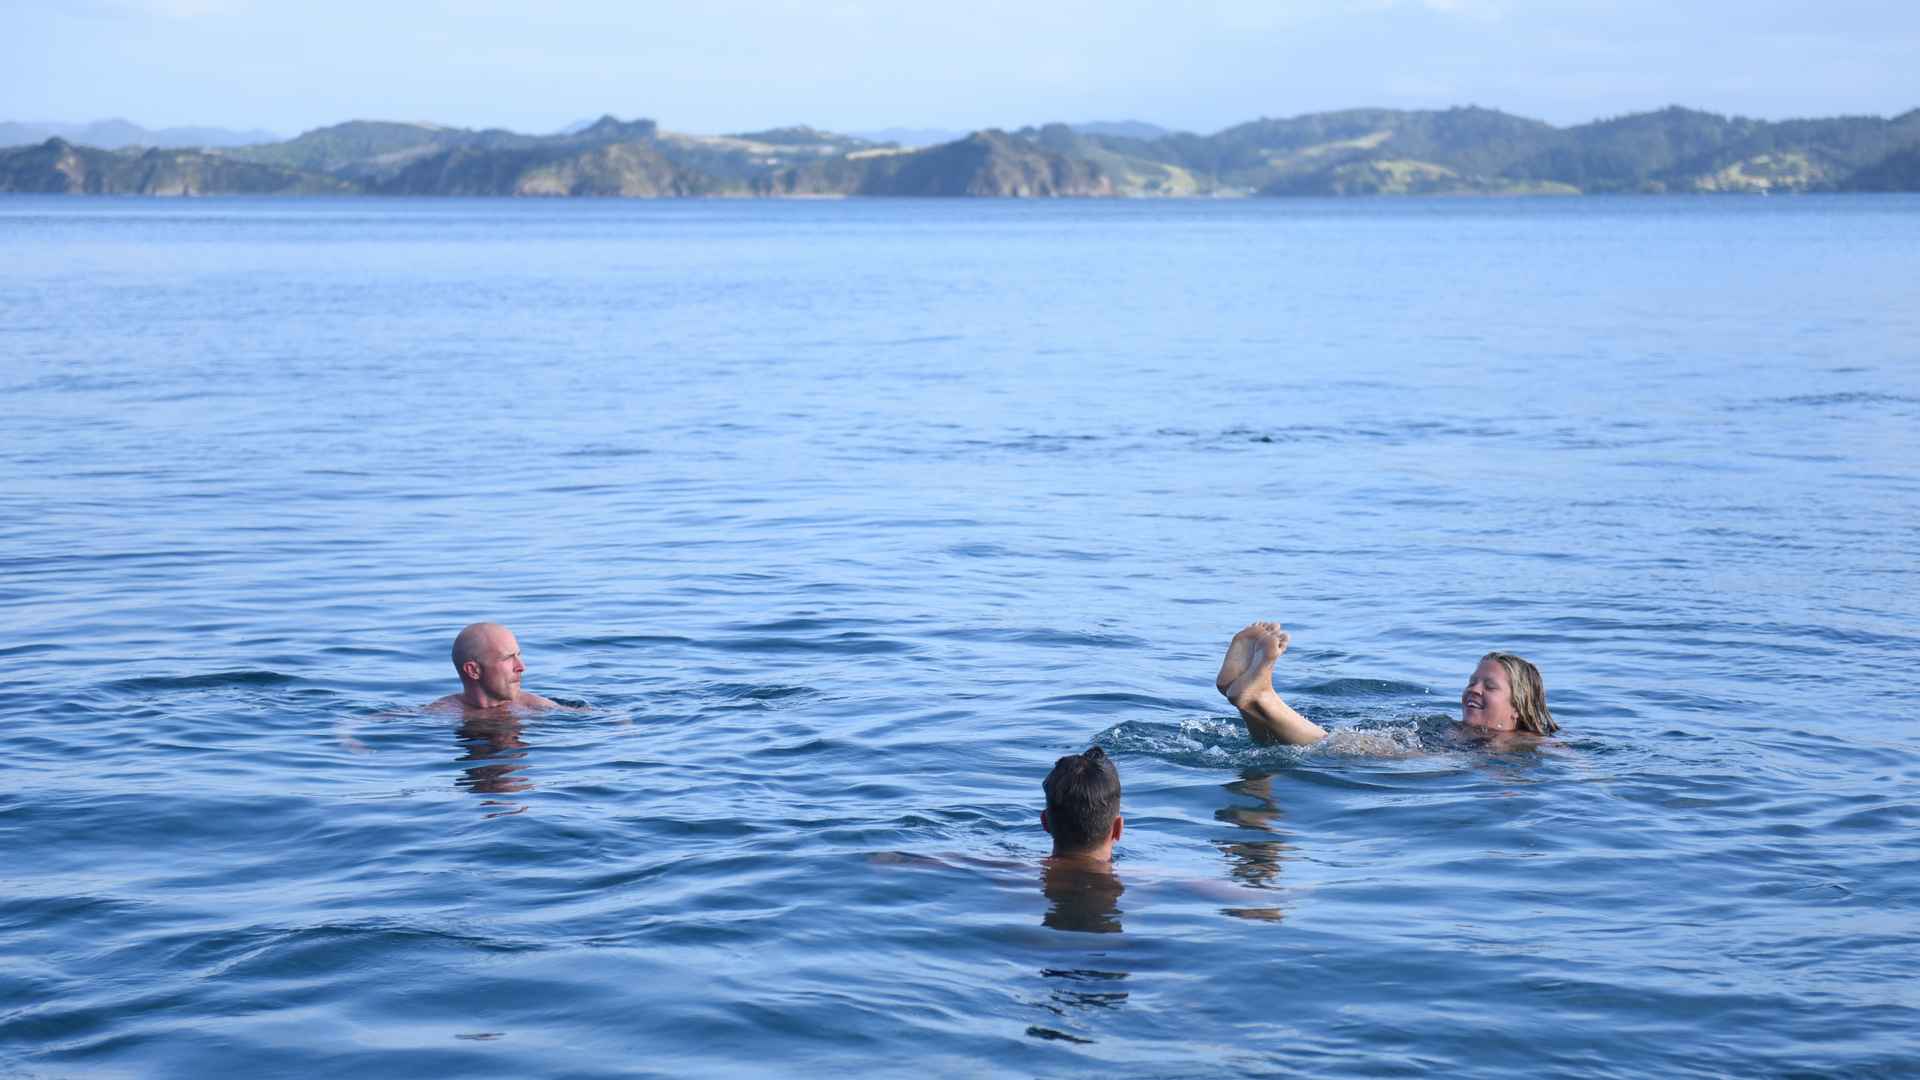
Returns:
<point x="733" y="65"/>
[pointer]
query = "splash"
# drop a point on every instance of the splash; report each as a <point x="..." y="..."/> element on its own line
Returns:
<point x="1216" y="742"/>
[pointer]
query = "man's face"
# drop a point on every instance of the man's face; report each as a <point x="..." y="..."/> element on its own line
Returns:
<point x="500" y="666"/>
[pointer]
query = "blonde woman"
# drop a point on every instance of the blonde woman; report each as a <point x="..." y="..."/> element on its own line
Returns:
<point x="1504" y="695"/>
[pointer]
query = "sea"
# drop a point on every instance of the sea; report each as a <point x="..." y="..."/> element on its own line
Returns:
<point x="840" y="521"/>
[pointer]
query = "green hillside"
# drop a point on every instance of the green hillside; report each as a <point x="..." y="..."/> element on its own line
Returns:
<point x="986" y="163"/>
<point x="631" y="169"/>
<point x="59" y="167"/>
<point x="1898" y="171"/>
<point x="1352" y="152"/>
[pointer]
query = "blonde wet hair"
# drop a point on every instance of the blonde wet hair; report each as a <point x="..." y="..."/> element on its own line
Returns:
<point x="1529" y="694"/>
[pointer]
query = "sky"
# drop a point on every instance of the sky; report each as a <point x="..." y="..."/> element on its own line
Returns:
<point x="712" y="66"/>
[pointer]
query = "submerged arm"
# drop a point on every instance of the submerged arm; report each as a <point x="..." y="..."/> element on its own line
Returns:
<point x="530" y="700"/>
<point x="347" y="730"/>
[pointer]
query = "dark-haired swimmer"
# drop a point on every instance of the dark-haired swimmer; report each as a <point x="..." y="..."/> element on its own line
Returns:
<point x="487" y="656"/>
<point x="1504" y="695"/>
<point x="1083" y="817"/>
<point x="1083" y="808"/>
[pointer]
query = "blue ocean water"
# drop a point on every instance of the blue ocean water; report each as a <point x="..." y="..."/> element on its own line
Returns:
<point x="845" y="519"/>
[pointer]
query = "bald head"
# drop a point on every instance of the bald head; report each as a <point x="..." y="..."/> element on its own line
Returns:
<point x="480" y="643"/>
<point x="487" y="656"/>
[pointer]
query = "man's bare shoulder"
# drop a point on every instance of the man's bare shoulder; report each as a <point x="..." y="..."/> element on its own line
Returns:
<point x="530" y="700"/>
<point x="524" y="700"/>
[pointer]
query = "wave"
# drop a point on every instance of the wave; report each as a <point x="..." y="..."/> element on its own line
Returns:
<point x="1353" y="688"/>
<point x="758" y="692"/>
<point x="607" y="452"/>
<point x="1042" y="636"/>
<point x="624" y="640"/>
<point x="211" y="680"/>
<point x="1221" y="742"/>
<point x="852" y="643"/>
<point x="34" y="648"/>
<point x="1103" y="700"/>
<point x="1858" y="397"/>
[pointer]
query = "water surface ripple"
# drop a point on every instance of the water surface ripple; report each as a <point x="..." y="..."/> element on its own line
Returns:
<point x="845" y="519"/>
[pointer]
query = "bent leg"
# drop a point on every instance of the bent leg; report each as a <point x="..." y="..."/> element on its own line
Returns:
<point x="1269" y="719"/>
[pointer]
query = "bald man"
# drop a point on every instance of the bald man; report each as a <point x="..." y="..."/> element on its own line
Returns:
<point x="488" y="660"/>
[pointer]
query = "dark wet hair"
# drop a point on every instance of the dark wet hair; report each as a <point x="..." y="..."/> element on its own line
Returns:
<point x="1083" y="798"/>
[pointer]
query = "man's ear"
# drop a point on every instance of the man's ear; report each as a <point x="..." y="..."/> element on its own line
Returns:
<point x="1115" y="835"/>
<point x="471" y="669"/>
<point x="1043" y="823"/>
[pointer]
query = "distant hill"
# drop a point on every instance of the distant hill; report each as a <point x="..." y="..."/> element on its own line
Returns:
<point x="1132" y="167"/>
<point x="1125" y="129"/>
<point x="59" y="167"/>
<point x="1460" y="151"/>
<point x="1898" y="171"/>
<point x="117" y="134"/>
<point x="357" y="148"/>
<point x="984" y="163"/>
<point x="1679" y="149"/>
<point x="1320" y="153"/>
<point x="628" y="168"/>
<point x="812" y="139"/>
<point x="752" y="157"/>
<point x="1484" y="151"/>
<point x="912" y="137"/>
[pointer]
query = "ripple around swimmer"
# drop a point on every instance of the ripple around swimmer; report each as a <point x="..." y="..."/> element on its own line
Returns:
<point x="1362" y="737"/>
<point x="211" y="680"/>
<point x="1222" y="743"/>
<point x="757" y="691"/>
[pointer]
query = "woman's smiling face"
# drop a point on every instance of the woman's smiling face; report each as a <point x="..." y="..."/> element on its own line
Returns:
<point x="1487" y="702"/>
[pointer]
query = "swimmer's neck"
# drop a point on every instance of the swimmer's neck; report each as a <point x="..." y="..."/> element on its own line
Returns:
<point x="1095" y="858"/>
<point x="1499" y="736"/>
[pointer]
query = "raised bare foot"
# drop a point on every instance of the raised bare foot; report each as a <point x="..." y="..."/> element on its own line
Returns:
<point x="1238" y="653"/>
<point x="1268" y="642"/>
